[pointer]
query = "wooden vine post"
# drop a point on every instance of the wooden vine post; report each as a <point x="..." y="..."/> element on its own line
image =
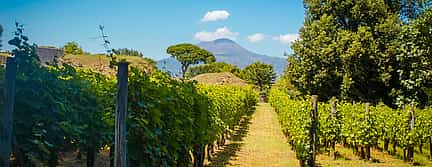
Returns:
<point x="430" y="146"/>
<point x="410" y="155"/>
<point x="7" y="112"/>
<point x="333" y="117"/>
<point x="120" y="150"/>
<point x="313" y="136"/>
<point x="368" y="153"/>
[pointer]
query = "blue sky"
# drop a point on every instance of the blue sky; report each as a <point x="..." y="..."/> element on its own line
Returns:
<point x="262" y="26"/>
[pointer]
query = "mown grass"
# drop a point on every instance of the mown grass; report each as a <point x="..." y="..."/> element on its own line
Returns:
<point x="347" y="157"/>
<point x="264" y="144"/>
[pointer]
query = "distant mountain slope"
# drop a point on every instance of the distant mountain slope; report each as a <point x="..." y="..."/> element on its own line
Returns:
<point x="100" y="63"/>
<point x="227" y="51"/>
<point x="223" y="78"/>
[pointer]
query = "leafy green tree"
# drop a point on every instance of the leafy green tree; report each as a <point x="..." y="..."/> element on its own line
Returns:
<point x="316" y="49"/>
<point x="353" y="13"/>
<point x="72" y="48"/>
<point x="259" y="74"/>
<point x="188" y="54"/>
<point x="414" y="61"/>
<point x="348" y="48"/>
<point x="127" y="52"/>
<point x="215" y="67"/>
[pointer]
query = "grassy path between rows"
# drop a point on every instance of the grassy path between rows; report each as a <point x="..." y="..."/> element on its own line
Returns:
<point x="257" y="142"/>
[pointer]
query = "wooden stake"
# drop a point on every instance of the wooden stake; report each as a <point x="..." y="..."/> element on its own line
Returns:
<point x="333" y="109"/>
<point x="333" y="116"/>
<point x="7" y="113"/>
<point x="120" y="154"/>
<point x="368" y="156"/>
<point x="367" y="110"/>
<point x="411" y="126"/>
<point x="313" y="136"/>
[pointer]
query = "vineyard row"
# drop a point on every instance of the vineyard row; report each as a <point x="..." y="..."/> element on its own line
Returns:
<point x="170" y="122"/>
<point x="360" y="126"/>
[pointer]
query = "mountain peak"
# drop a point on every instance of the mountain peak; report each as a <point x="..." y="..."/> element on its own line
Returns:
<point x="224" y="40"/>
<point x="227" y="50"/>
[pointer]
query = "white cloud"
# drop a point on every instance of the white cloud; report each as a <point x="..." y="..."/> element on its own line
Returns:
<point x="215" y="15"/>
<point x="286" y="38"/>
<point x="256" y="37"/>
<point x="222" y="32"/>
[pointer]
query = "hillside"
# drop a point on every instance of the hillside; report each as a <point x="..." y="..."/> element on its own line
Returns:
<point x="101" y="62"/>
<point x="230" y="52"/>
<point x="225" y="78"/>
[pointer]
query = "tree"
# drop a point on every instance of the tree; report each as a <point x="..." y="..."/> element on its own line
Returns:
<point x="348" y="48"/>
<point x="316" y="49"/>
<point x="259" y="74"/>
<point x="72" y="48"/>
<point x="414" y="61"/>
<point x="215" y="67"/>
<point x="127" y="52"/>
<point x="188" y="54"/>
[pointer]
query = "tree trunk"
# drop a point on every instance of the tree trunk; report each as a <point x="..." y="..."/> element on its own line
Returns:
<point x="302" y="163"/>
<point x="362" y="153"/>
<point x="421" y="147"/>
<point x="213" y="148"/>
<point x="333" y="145"/>
<point x="111" y="156"/>
<point x="22" y="160"/>
<point x="223" y="140"/>
<point x="199" y="155"/>
<point x="53" y="160"/>
<point x="356" y="149"/>
<point x="209" y="152"/>
<point x="219" y="143"/>
<point x="386" y="144"/>
<point x="184" y="70"/>
<point x="325" y="144"/>
<point x="430" y="147"/>
<point x="410" y="153"/>
<point x="91" y="156"/>
<point x="79" y="155"/>
<point x="368" y="152"/>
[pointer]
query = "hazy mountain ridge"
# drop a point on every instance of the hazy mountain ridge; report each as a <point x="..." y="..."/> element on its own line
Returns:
<point x="227" y="51"/>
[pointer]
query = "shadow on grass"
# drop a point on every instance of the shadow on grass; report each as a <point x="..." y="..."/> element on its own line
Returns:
<point x="339" y="156"/>
<point x="399" y="155"/>
<point x="222" y="157"/>
<point x="336" y="156"/>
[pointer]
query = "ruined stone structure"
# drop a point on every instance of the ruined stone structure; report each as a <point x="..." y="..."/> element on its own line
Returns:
<point x="3" y="56"/>
<point x="48" y="54"/>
